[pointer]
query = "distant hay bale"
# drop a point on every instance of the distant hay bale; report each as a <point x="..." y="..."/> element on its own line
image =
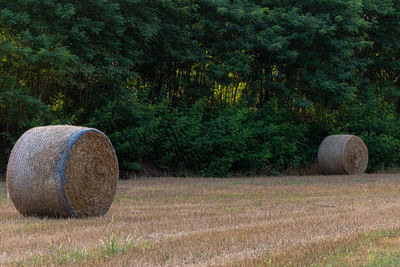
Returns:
<point x="62" y="171"/>
<point x="343" y="154"/>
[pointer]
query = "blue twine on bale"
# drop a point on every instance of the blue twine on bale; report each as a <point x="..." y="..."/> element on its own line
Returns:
<point x="59" y="177"/>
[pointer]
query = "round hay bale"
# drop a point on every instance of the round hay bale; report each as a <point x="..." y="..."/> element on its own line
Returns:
<point x="62" y="171"/>
<point x="342" y="154"/>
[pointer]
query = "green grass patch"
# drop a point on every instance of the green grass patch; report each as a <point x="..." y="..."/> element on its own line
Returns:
<point x="122" y="197"/>
<point x="110" y="247"/>
<point x="379" y="259"/>
<point x="369" y="250"/>
<point x="227" y="196"/>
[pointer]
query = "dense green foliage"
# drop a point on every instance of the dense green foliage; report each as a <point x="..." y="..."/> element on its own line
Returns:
<point x="211" y="87"/>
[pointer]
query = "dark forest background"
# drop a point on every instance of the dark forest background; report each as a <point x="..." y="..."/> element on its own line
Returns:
<point x="205" y="87"/>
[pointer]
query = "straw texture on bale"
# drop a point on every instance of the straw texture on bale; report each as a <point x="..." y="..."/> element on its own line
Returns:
<point x="62" y="171"/>
<point x="343" y="154"/>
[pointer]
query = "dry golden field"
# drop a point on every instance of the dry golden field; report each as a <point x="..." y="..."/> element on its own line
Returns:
<point x="282" y="221"/>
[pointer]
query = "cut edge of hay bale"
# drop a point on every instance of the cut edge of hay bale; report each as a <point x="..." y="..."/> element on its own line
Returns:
<point x="66" y="191"/>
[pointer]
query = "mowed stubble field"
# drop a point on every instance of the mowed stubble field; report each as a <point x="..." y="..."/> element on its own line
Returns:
<point x="271" y="221"/>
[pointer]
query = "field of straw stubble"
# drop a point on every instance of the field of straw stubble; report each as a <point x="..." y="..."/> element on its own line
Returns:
<point x="281" y="221"/>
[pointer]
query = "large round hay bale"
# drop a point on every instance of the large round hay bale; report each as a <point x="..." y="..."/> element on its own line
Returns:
<point x="62" y="171"/>
<point x="342" y="154"/>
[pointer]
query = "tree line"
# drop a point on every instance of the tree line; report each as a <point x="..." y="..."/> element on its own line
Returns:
<point x="209" y="87"/>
